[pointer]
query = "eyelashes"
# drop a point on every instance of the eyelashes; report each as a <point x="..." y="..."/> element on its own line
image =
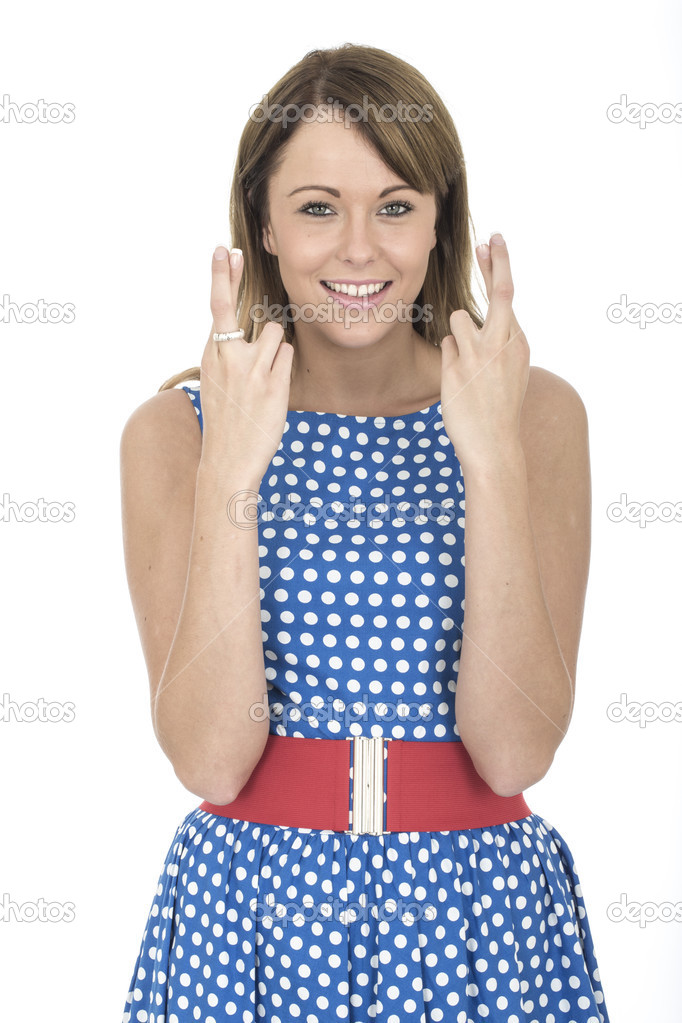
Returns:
<point x="325" y="205"/>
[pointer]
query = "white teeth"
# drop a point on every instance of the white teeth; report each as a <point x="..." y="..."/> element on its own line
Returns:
<point x="354" y="289"/>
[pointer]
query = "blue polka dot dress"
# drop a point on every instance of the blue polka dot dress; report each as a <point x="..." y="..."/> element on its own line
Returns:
<point x="361" y="534"/>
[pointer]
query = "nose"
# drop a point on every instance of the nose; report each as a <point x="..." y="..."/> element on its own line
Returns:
<point x="358" y="243"/>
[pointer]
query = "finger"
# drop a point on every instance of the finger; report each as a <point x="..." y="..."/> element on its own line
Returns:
<point x="283" y="358"/>
<point x="486" y="266"/>
<point x="270" y="342"/>
<point x="449" y="352"/>
<point x="502" y="288"/>
<point x="465" y="333"/>
<point x="225" y="278"/>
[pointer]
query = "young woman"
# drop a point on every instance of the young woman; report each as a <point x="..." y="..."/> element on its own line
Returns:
<point x="294" y="538"/>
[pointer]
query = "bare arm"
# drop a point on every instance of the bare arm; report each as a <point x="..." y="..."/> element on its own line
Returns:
<point x="194" y="583"/>
<point x="193" y="569"/>
<point x="215" y="672"/>
<point x="527" y="556"/>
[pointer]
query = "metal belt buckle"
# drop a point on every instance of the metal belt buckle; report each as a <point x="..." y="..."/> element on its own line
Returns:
<point x="368" y="785"/>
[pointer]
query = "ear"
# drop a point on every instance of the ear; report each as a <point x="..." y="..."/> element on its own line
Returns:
<point x="435" y="239"/>
<point x="268" y="241"/>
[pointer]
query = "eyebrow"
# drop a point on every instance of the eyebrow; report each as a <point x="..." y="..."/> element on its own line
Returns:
<point x="334" y="191"/>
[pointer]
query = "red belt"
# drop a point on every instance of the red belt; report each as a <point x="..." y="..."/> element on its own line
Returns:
<point x="430" y="786"/>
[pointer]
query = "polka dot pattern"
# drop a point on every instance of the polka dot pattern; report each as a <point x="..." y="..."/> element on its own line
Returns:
<point x="361" y="533"/>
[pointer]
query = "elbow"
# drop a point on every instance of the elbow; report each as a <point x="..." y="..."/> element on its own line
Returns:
<point x="220" y="785"/>
<point x="217" y="779"/>
<point x="514" y="782"/>
<point x="507" y="787"/>
<point x="220" y="791"/>
<point x="508" y="777"/>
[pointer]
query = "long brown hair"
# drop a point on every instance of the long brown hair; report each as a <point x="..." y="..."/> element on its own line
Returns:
<point x="425" y="153"/>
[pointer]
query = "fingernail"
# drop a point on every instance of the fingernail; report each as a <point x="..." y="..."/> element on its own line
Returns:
<point x="483" y="249"/>
<point x="220" y="252"/>
<point x="497" y="238"/>
<point x="235" y="256"/>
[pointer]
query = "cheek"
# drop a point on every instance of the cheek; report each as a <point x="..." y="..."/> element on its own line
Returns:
<point x="301" y="265"/>
<point x="306" y="252"/>
<point x="413" y="251"/>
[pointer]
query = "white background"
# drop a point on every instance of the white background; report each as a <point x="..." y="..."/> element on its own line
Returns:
<point x="118" y="213"/>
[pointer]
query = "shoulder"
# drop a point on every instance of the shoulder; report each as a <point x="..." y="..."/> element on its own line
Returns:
<point x="166" y="426"/>
<point x="553" y="419"/>
<point x="546" y="391"/>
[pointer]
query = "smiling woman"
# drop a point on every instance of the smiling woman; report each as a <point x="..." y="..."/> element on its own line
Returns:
<point x="316" y="139"/>
<point x="294" y="536"/>
<point x="361" y="351"/>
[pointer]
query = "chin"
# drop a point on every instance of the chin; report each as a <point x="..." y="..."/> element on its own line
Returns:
<point x="352" y="336"/>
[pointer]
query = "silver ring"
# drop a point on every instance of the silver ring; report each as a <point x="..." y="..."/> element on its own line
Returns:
<point x="230" y="336"/>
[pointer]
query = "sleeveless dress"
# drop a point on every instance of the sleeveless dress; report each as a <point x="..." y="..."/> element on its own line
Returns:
<point x="361" y="547"/>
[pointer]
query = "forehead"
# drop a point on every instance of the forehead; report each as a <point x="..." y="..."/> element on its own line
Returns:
<point x="331" y="153"/>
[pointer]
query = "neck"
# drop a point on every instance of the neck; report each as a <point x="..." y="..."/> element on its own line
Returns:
<point x="394" y="375"/>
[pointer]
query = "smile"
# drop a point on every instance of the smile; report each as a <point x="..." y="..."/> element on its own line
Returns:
<point x="358" y="290"/>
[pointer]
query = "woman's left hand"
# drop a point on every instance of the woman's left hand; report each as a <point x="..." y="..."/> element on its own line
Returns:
<point x="484" y="373"/>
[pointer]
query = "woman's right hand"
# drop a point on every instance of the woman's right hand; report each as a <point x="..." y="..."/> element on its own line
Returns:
<point x="244" y="386"/>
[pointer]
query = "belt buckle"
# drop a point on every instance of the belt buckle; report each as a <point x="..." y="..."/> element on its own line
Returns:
<point x="368" y="785"/>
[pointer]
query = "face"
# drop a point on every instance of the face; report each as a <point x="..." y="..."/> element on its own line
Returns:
<point x="360" y="225"/>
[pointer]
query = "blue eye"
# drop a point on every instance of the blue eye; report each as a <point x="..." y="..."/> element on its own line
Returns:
<point x="313" y="205"/>
<point x="324" y="205"/>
